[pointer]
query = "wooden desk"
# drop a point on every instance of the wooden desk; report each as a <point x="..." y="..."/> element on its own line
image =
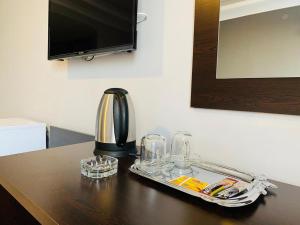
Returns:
<point x="49" y="186"/>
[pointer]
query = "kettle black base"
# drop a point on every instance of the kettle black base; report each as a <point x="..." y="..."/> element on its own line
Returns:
<point x="115" y="151"/>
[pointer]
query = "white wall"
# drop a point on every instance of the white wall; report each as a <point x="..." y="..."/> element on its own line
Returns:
<point x="54" y="92"/>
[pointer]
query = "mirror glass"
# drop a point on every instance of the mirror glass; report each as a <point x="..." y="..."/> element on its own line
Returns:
<point x="259" y="39"/>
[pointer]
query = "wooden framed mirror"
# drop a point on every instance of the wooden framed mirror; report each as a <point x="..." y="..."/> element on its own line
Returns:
<point x="278" y="94"/>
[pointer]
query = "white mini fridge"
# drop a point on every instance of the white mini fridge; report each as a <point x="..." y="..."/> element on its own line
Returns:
<point x="19" y="135"/>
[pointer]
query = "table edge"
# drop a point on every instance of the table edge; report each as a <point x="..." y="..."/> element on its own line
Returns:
<point x="39" y="214"/>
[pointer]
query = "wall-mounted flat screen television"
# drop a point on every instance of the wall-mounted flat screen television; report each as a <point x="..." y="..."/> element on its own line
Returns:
<point x="89" y="27"/>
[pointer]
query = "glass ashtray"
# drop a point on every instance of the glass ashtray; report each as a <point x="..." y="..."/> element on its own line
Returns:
<point x="99" y="166"/>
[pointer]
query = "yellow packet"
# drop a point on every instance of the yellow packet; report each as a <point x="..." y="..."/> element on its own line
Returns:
<point x="190" y="183"/>
<point x="194" y="184"/>
<point x="179" y="180"/>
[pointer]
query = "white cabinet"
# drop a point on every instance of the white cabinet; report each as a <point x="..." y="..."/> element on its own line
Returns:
<point x="20" y="135"/>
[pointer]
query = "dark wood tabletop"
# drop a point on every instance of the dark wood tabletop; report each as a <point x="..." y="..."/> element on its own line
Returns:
<point x="49" y="186"/>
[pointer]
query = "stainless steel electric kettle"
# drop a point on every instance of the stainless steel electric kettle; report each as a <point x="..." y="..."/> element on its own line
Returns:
<point x="115" y="125"/>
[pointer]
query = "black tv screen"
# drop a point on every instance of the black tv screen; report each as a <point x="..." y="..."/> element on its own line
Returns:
<point x="87" y="27"/>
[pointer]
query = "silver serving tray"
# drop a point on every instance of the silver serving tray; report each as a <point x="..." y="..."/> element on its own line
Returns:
<point x="206" y="171"/>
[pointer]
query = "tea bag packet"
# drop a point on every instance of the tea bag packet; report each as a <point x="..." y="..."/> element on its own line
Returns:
<point x="236" y="189"/>
<point x="216" y="188"/>
<point x="190" y="183"/>
<point x="179" y="180"/>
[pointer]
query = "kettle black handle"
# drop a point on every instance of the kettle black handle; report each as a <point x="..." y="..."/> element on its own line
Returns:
<point x="121" y="118"/>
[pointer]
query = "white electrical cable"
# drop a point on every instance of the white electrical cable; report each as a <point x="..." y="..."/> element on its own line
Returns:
<point x="141" y="17"/>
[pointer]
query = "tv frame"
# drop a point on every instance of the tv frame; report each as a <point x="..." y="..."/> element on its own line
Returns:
<point x="99" y="51"/>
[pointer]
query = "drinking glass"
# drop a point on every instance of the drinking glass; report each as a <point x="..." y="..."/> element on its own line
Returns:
<point x="153" y="150"/>
<point x="180" y="152"/>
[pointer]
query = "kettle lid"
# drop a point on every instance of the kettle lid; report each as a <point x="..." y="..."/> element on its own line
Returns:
<point x="116" y="91"/>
